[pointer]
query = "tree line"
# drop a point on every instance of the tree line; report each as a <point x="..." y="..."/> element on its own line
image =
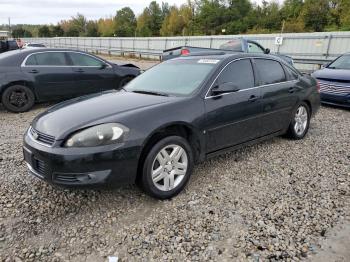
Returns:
<point x="204" y="17"/>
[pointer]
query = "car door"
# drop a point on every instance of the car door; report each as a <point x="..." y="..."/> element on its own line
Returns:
<point x="233" y="118"/>
<point x="279" y="95"/>
<point x="92" y="74"/>
<point x="51" y="73"/>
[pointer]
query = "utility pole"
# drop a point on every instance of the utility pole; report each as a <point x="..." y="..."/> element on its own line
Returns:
<point x="10" y="33"/>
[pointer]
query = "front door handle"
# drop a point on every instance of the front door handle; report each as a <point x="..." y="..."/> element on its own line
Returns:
<point x="253" y="98"/>
<point x="34" y="71"/>
<point x="80" y="70"/>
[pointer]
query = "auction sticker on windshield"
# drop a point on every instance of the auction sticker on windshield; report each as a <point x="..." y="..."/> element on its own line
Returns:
<point x="208" y="61"/>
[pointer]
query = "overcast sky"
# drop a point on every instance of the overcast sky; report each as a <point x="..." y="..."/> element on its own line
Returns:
<point x="53" y="11"/>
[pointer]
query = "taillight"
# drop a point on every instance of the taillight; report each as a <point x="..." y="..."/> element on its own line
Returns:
<point x="318" y="87"/>
<point x="185" y="52"/>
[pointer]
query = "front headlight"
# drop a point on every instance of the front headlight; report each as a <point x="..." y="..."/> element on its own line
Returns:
<point x="100" y="135"/>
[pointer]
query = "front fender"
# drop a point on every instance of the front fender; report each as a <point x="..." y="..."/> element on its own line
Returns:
<point x="123" y="71"/>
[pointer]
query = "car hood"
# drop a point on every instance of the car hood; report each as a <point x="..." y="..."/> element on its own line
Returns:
<point x="332" y="74"/>
<point x="81" y="112"/>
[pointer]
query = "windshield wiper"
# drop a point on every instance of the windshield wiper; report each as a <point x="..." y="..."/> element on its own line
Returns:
<point x="149" y="93"/>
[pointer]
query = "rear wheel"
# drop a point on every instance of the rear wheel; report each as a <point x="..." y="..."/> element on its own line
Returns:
<point x="300" y="122"/>
<point x="167" y="168"/>
<point x="18" y="98"/>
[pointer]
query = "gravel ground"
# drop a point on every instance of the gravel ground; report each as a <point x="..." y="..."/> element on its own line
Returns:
<point x="278" y="200"/>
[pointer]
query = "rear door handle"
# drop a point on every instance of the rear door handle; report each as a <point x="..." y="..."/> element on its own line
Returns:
<point x="34" y="71"/>
<point x="79" y="70"/>
<point x="253" y="98"/>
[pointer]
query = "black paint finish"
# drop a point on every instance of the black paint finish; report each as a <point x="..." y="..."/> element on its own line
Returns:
<point x="55" y="82"/>
<point x="214" y="124"/>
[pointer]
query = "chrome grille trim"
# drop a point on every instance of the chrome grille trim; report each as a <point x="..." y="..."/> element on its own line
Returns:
<point x="41" y="138"/>
<point x="336" y="89"/>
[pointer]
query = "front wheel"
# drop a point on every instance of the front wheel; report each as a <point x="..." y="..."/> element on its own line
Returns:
<point x="167" y="167"/>
<point x="300" y="122"/>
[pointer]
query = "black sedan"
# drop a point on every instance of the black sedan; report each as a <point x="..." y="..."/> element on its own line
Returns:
<point x="40" y="74"/>
<point x="174" y="115"/>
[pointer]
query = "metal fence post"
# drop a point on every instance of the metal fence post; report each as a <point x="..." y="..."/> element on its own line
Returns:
<point x="329" y="45"/>
<point x="166" y="43"/>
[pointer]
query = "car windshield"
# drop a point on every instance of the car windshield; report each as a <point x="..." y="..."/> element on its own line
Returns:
<point x="342" y="62"/>
<point x="179" y="77"/>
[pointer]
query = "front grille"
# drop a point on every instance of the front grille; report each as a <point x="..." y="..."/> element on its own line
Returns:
<point x="334" y="89"/>
<point x="41" y="137"/>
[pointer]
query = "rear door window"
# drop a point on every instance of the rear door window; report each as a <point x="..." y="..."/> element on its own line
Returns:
<point x="47" y="59"/>
<point x="240" y="73"/>
<point x="79" y="59"/>
<point x="269" y="71"/>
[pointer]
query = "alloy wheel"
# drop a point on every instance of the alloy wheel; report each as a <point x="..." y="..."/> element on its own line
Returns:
<point x="301" y="120"/>
<point x="169" y="167"/>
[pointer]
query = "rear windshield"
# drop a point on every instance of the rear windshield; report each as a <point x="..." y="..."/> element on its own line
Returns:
<point x="233" y="45"/>
<point x="174" y="77"/>
<point x="342" y="62"/>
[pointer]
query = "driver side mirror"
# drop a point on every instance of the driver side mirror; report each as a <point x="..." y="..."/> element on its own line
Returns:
<point x="267" y="51"/>
<point x="103" y="66"/>
<point x="224" y="89"/>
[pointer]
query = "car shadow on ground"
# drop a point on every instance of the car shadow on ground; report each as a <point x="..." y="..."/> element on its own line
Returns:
<point x="336" y="107"/>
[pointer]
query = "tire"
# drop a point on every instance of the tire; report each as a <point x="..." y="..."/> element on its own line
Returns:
<point x="18" y="98"/>
<point x="300" y="122"/>
<point x="168" y="180"/>
<point x="125" y="81"/>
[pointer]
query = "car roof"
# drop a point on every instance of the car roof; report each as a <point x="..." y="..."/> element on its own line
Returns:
<point x="41" y="49"/>
<point x="15" y="57"/>
<point x="227" y="56"/>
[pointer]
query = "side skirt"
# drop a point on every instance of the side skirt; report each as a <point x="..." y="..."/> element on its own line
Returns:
<point x="249" y="143"/>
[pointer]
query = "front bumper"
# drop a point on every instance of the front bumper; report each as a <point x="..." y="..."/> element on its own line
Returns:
<point x="338" y="100"/>
<point x="108" y="165"/>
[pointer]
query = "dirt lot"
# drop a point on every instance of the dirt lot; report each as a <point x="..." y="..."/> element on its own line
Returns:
<point x="279" y="200"/>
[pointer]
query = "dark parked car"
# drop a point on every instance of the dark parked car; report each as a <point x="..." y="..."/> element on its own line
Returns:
<point x="8" y="45"/>
<point x="179" y="112"/>
<point x="241" y="45"/>
<point x="334" y="81"/>
<point x="39" y="75"/>
<point x="33" y="45"/>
